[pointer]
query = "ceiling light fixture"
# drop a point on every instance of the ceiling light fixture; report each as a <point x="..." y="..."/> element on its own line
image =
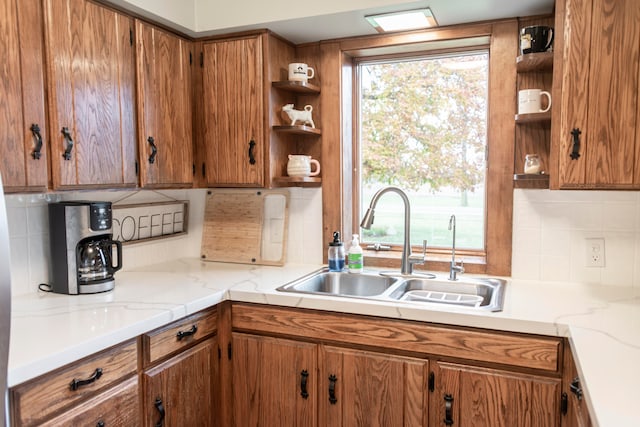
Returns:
<point x="402" y="21"/>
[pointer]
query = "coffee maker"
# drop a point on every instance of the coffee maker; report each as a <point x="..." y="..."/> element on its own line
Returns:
<point x="82" y="247"/>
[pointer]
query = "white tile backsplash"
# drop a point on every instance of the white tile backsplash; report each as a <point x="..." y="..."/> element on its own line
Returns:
<point x="29" y="231"/>
<point x="549" y="232"/>
<point x="550" y="229"/>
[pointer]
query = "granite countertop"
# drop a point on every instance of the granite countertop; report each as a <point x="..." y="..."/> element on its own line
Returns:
<point x="602" y="323"/>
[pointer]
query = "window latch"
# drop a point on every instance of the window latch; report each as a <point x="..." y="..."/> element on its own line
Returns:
<point x="379" y="247"/>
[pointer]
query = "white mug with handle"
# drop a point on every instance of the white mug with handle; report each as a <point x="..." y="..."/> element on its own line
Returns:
<point x="300" y="72"/>
<point x="530" y="101"/>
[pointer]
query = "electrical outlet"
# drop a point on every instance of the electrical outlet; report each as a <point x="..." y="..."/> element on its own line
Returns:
<point x="595" y="252"/>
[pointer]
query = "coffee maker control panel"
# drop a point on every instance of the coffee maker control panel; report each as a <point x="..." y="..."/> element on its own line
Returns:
<point x="100" y="216"/>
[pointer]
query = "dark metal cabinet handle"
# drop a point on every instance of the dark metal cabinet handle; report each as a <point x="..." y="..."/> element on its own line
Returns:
<point x="67" y="136"/>
<point x="36" y="153"/>
<point x="304" y="377"/>
<point x="575" y="388"/>
<point x="575" y="152"/>
<point x="100" y="424"/>
<point x="76" y="384"/>
<point x="160" y="409"/>
<point x="252" y="158"/>
<point x="448" y="409"/>
<point x="184" y="334"/>
<point x="154" y="149"/>
<point x="432" y="382"/>
<point x="332" y="389"/>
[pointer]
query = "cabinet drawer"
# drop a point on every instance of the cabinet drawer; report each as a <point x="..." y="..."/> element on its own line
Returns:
<point x="116" y="407"/>
<point x="178" y="335"/>
<point x="40" y="398"/>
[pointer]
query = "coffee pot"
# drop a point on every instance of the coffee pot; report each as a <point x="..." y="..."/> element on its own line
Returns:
<point x="95" y="261"/>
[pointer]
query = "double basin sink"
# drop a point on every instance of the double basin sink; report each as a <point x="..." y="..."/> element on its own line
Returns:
<point x="475" y="293"/>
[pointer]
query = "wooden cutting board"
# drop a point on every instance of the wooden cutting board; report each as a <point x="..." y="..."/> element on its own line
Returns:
<point x="246" y="226"/>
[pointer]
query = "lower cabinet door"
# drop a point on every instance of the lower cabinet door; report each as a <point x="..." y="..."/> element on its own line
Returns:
<point x="473" y="396"/>
<point x="179" y="391"/>
<point x="274" y="382"/>
<point x="361" y="388"/>
<point x="116" y="407"/>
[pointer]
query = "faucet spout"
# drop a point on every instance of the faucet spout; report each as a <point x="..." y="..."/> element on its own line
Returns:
<point x="407" y="260"/>
<point x="454" y="267"/>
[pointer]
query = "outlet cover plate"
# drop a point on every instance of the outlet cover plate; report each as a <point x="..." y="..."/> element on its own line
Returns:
<point x="595" y="253"/>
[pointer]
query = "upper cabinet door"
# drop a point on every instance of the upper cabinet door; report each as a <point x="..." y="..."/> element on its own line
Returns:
<point x="599" y="94"/>
<point x="164" y="108"/>
<point x="233" y="109"/>
<point x="23" y="129"/>
<point x="92" y="90"/>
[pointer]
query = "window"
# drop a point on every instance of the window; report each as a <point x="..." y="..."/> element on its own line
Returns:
<point x="422" y="126"/>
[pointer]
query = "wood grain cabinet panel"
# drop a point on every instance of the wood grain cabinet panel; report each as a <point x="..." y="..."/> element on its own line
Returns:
<point x="371" y="389"/>
<point x="165" y="136"/>
<point x="274" y="382"/>
<point x="471" y="396"/>
<point x="91" y="74"/>
<point x="597" y="92"/>
<point x="179" y="392"/>
<point x="38" y="400"/>
<point x="117" y="407"/>
<point x="23" y="159"/>
<point x="233" y="108"/>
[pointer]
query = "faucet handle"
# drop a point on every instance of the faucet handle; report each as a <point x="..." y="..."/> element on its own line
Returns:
<point x="420" y="259"/>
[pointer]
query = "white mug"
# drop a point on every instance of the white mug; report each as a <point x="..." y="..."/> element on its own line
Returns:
<point x="529" y="101"/>
<point x="300" y="165"/>
<point x="300" y="72"/>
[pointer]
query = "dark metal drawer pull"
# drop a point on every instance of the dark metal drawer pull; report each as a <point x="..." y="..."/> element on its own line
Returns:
<point x="448" y="409"/>
<point x="36" y="153"/>
<point x="304" y="377"/>
<point x="184" y="334"/>
<point x="575" y="152"/>
<point x="575" y="388"/>
<point x="67" y="136"/>
<point x="332" y="389"/>
<point x="76" y="384"/>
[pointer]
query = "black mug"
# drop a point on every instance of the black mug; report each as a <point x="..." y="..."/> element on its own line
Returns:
<point x="538" y="38"/>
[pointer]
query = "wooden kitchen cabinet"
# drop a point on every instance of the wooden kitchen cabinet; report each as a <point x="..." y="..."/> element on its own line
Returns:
<point x="180" y="372"/>
<point x="23" y="126"/>
<point x="233" y="98"/>
<point x="69" y="393"/>
<point x="595" y="136"/>
<point x="91" y="75"/>
<point x="363" y="388"/>
<point x="274" y="382"/>
<point x="577" y="412"/>
<point x="179" y="391"/>
<point x="406" y="374"/>
<point x="466" y="395"/>
<point x="165" y="134"/>
<point x="117" y="407"/>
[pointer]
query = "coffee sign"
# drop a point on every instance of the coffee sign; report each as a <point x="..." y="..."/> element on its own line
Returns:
<point x="149" y="221"/>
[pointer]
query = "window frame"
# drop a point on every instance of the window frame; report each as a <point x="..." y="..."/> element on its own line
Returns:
<point x="337" y="59"/>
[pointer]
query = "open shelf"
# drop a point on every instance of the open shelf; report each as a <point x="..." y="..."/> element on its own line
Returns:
<point x="302" y="181"/>
<point x="523" y="180"/>
<point x="534" y="62"/>
<point x="298" y="87"/>
<point x="298" y="130"/>
<point x="534" y="117"/>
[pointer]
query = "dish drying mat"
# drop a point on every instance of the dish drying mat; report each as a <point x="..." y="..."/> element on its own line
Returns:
<point x="442" y="297"/>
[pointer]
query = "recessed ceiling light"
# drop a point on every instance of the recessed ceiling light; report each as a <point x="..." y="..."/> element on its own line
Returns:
<point x="402" y="21"/>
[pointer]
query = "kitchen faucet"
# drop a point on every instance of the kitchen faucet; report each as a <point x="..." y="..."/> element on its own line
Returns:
<point x="407" y="258"/>
<point x="454" y="268"/>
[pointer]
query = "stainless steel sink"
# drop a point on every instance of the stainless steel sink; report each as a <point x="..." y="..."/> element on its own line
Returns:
<point x="341" y="284"/>
<point x="474" y="293"/>
<point x="478" y="293"/>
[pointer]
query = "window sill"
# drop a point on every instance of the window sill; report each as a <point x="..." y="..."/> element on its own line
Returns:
<point x="474" y="264"/>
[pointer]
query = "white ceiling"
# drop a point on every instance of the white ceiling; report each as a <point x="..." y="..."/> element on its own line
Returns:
<point x="348" y="24"/>
<point x="209" y="17"/>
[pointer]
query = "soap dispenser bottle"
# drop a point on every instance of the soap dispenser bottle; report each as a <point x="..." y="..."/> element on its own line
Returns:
<point x="336" y="253"/>
<point x="355" y="256"/>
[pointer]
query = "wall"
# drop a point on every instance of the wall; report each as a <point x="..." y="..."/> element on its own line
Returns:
<point x="550" y="228"/>
<point x="29" y="231"/>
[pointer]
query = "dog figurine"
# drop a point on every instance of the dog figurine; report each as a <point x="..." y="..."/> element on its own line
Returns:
<point x="303" y="116"/>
